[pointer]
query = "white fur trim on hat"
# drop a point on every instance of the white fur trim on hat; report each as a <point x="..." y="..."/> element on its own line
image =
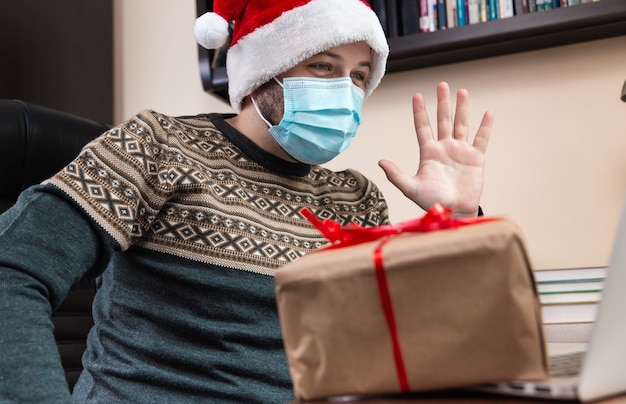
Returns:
<point x="299" y="34"/>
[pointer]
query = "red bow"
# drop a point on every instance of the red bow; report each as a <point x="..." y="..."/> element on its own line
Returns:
<point x="437" y="217"/>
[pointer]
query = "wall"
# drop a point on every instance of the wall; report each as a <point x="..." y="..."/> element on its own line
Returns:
<point x="156" y="61"/>
<point x="556" y="163"/>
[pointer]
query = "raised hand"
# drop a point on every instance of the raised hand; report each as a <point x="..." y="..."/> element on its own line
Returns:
<point x="451" y="170"/>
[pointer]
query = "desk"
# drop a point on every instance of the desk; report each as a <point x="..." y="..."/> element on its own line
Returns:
<point x="456" y="397"/>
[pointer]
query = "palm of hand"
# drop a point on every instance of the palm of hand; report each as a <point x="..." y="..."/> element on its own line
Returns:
<point x="451" y="170"/>
<point x="451" y="173"/>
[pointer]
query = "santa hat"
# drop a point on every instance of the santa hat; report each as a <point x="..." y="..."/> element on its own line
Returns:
<point x="272" y="36"/>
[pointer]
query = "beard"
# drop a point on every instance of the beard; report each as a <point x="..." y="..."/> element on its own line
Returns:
<point x="270" y="101"/>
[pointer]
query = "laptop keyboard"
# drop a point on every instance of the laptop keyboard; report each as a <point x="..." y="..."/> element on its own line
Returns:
<point x="566" y="364"/>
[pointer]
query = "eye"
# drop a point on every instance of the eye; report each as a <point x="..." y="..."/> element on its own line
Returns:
<point x="321" y="66"/>
<point x="359" y="79"/>
<point x="358" y="76"/>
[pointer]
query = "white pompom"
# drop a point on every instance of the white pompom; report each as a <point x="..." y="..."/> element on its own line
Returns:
<point x="211" y="30"/>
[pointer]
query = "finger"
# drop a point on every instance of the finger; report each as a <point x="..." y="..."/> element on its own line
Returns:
<point x="397" y="177"/>
<point x="461" y="115"/>
<point x="484" y="132"/>
<point x="420" y="120"/>
<point x="444" y="111"/>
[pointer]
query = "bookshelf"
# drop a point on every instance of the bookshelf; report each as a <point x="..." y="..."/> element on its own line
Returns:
<point x="525" y="32"/>
<point x="520" y="33"/>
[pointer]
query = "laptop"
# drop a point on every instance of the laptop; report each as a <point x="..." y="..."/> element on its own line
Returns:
<point x="602" y="360"/>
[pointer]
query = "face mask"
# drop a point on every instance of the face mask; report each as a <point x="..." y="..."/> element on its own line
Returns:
<point x="321" y="117"/>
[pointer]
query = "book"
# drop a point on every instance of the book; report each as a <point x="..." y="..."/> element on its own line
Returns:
<point x="426" y="21"/>
<point x="570" y="297"/>
<point x="539" y="5"/>
<point x="586" y="273"/>
<point x="451" y="13"/>
<point x="570" y="286"/>
<point x="569" y="313"/>
<point x="442" y="14"/>
<point x="473" y="14"/>
<point x="506" y="8"/>
<point x="520" y="7"/>
<point x="484" y="10"/>
<point x="564" y="332"/>
<point x="494" y="10"/>
<point x="381" y="11"/>
<point x="434" y="16"/>
<point x="461" y="13"/>
<point x="410" y="16"/>
<point x="393" y="18"/>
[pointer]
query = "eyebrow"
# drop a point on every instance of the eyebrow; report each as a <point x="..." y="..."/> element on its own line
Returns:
<point x="365" y="63"/>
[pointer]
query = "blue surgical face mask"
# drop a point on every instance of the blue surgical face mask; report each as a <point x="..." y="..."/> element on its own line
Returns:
<point x="321" y="117"/>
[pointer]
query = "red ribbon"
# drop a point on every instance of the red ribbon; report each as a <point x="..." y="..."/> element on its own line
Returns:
<point x="436" y="218"/>
<point x="385" y="300"/>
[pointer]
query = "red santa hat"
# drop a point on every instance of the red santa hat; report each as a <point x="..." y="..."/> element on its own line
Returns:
<point x="272" y="36"/>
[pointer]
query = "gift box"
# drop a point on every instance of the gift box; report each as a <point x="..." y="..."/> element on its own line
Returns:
<point x="431" y="304"/>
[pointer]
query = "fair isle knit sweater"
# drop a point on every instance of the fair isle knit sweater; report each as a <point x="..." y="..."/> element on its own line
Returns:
<point x="185" y="221"/>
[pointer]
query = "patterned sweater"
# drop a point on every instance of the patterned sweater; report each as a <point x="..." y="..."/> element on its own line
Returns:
<point x="185" y="221"/>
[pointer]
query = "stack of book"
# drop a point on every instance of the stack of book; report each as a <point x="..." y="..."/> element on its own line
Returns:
<point x="569" y="300"/>
<point x="406" y="17"/>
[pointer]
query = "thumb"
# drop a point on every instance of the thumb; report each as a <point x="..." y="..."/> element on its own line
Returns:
<point x="396" y="176"/>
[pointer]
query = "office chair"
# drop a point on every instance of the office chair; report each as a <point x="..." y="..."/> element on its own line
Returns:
<point x="35" y="143"/>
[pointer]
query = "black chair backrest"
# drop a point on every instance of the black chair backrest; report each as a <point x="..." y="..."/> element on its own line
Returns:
<point x="35" y="143"/>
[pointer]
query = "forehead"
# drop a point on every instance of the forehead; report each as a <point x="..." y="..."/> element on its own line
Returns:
<point x="357" y="52"/>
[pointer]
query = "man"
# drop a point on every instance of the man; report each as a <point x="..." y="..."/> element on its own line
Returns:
<point x="185" y="220"/>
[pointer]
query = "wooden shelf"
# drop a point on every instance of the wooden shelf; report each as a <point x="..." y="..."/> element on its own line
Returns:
<point x="520" y="33"/>
<point x="525" y="32"/>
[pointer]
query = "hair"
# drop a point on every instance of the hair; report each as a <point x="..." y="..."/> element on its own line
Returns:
<point x="270" y="100"/>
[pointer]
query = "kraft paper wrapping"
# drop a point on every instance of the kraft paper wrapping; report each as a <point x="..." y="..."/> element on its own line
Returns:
<point x="464" y="301"/>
